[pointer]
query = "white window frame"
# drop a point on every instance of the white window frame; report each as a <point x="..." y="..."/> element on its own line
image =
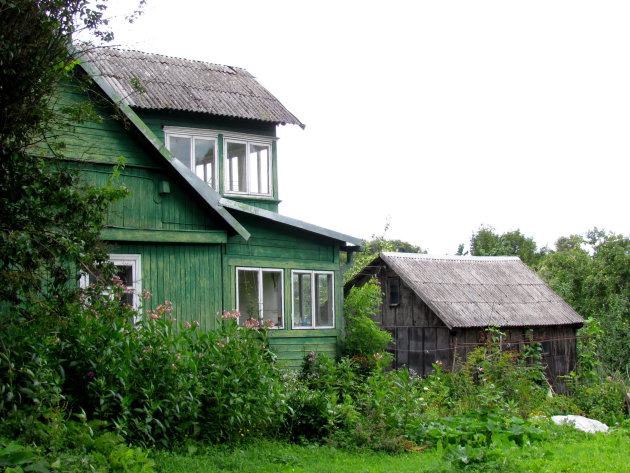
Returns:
<point x="199" y="134"/>
<point x="133" y="260"/>
<point x="226" y="175"/>
<point x="221" y="157"/>
<point x="313" y="274"/>
<point x="260" y="271"/>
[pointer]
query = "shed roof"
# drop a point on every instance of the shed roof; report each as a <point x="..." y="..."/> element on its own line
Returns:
<point x="469" y="291"/>
<point x="182" y="84"/>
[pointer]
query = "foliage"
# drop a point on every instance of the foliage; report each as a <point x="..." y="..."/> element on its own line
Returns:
<point x="49" y="219"/>
<point x="134" y="370"/>
<point x="365" y="341"/>
<point x="478" y="435"/>
<point x="592" y="273"/>
<point x="562" y="450"/>
<point x="375" y="246"/>
<point x="485" y="242"/>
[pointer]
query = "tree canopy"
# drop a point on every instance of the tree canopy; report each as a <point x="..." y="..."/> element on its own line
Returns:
<point x="49" y="220"/>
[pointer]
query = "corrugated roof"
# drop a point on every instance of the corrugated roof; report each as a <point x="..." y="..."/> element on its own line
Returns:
<point x="187" y="85"/>
<point x="469" y="291"/>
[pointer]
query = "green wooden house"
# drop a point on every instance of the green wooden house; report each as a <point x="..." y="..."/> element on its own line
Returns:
<point x="200" y="226"/>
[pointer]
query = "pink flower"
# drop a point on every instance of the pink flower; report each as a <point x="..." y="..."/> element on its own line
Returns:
<point x="196" y="323"/>
<point x="146" y="294"/>
<point x="154" y="316"/>
<point x="187" y="325"/>
<point x="252" y="323"/>
<point x="234" y="314"/>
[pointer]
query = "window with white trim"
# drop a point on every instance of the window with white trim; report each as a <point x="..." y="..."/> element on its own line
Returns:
<point x="313" y="299"/>
<point x="247" y="168"/>
<point x="199" y="153"/>
<point x="259" y="294"/>
<point x="128" y="270"/>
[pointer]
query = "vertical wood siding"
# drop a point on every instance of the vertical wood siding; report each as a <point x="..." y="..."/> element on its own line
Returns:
<point x="187" y="275"/>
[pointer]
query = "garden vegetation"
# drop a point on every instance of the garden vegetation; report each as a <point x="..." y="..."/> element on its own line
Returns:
<point x="89" y="384"/>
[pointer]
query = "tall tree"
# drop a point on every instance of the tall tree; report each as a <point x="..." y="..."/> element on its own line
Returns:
<point x="374" y="247"/>
<point x="486" y="242"/>
<point x="592" y="273"/>
<point x="49" y="220"/>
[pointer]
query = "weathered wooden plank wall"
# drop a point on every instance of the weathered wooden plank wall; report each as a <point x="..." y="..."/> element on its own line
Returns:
<point x="187" y="275"/>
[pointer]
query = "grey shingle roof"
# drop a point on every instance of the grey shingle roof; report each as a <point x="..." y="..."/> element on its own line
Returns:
<point x="187" y="85"/>
<point x="482" y="291"/>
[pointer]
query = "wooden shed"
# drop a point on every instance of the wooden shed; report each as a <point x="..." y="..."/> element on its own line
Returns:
<point x="439" y="307"/>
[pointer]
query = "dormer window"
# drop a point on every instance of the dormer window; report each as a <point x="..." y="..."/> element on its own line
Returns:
<point x="232" y="163"/>
<point x="199" y="153"/>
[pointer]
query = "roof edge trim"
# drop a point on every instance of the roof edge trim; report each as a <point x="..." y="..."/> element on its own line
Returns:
<point x="250" y="209"/>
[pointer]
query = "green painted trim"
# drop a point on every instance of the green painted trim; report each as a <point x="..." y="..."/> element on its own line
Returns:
<point x="206" y="192"/>
<point x="279" y="262"/>
<point x="221" y="160"/>
<point x="274" y="169"/>
<point x="164" y="236"/>
<point x="332" y="333"/>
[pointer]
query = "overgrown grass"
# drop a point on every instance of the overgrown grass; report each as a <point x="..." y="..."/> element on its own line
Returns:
<point x="570" y="451"/>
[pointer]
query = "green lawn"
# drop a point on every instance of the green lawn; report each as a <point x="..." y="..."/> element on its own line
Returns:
<point x="574" y="452"/>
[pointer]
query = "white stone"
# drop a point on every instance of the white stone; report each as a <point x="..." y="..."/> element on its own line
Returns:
<point x="582" y="423"/>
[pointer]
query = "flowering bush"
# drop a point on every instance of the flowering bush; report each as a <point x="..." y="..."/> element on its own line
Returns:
<point x="154" y="381"/>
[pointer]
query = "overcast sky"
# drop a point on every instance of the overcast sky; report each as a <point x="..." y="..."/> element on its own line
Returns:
<point x="439" y="116"/>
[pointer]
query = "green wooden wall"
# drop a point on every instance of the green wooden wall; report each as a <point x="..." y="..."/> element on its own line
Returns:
<point x="273" y="245"/>
<point x="188" y="254"/>
<point x="188" y="275"/>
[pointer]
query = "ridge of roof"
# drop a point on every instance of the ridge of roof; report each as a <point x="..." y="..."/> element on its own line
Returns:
<point x="391" y="254"/>
<point x="149" y="56"/>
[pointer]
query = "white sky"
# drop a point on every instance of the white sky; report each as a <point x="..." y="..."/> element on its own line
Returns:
<point x="439" y="115"/>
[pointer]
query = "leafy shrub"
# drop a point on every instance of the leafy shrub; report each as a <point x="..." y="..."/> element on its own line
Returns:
<point x="365" y="341"/>
<point x="160" y="384"/>
<point x="477" y="436"/>
<point x="154" y="382"/>
<point x="602" y="399"/>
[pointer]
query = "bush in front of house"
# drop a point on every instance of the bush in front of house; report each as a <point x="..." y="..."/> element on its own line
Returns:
<point x="151" y="381"/>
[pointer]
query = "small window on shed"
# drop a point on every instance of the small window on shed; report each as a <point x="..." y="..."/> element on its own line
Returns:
<point x="393" y="291"/>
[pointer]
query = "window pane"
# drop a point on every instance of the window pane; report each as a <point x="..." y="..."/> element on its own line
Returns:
<point x="394" y="291"/>
<point x="125" y="273"/>
<point x="324" y="294"/>
<point x="180" y="148"/>
<point x="236" y="173"/>
<point x="259" y="169"/>
<point x="204" y="160"/>
<point x="248" y="294"/>
<point x="272" y="296"/>
<point x="302" y="303"/>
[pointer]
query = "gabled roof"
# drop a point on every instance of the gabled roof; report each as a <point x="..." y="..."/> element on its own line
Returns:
<point x="182" y="84"/>
<point x="469" y="291"/>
